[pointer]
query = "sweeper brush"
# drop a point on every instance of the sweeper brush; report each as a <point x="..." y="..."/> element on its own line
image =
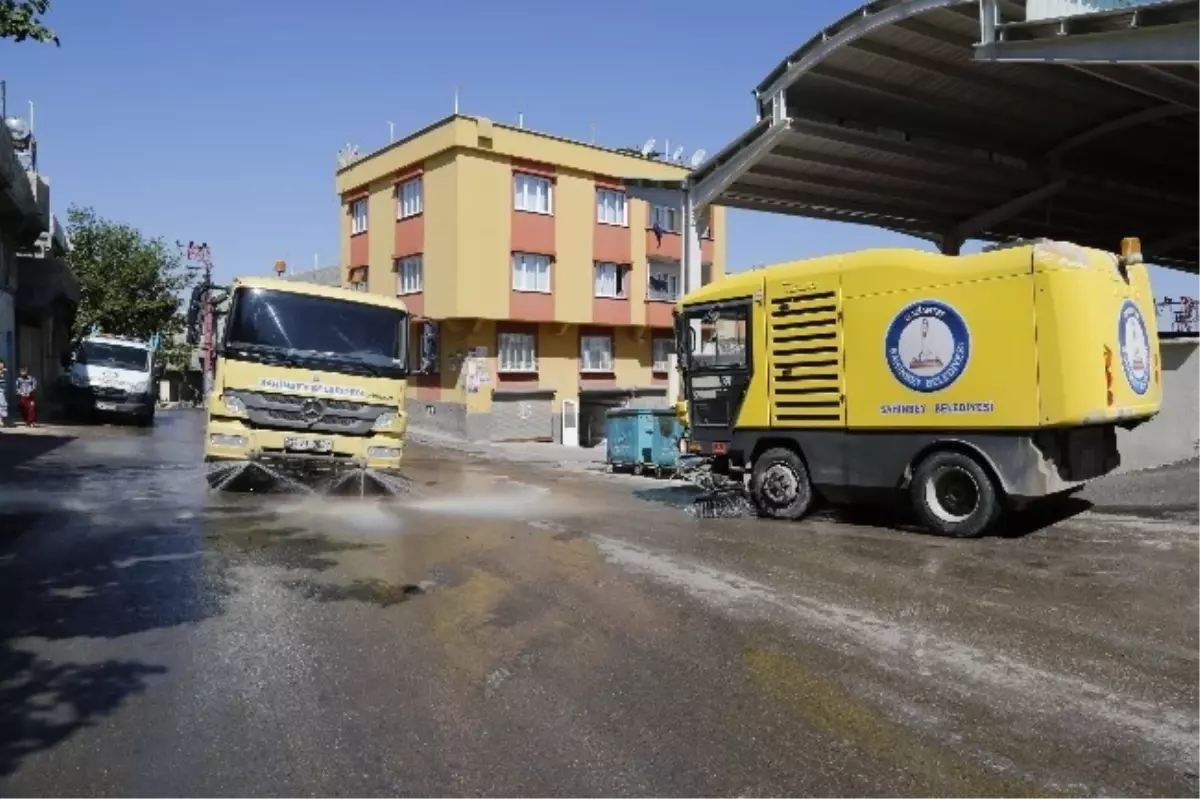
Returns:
<point x="722" y="497"/>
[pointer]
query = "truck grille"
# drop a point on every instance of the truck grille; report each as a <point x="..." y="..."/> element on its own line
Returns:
<point x="265" y="409"/>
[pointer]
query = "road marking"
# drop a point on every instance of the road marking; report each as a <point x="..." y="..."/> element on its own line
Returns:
<point x="1140" y="523"/>
<point x="1028" y="690"/>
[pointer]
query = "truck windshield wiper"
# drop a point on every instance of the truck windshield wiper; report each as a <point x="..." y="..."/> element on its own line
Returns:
<point x="266" y="354"/>
<point x="369" y="362"/>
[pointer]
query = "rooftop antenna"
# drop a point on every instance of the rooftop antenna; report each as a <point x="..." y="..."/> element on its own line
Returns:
<point x="678" y="154"/>
<point x="521" y="120"/>
<point x="666" y="150"/>
<point x="456" y="100"/>
<point x="647" y="148"/>
<point x="391" y="132"/>
<point x="698" y="158"/>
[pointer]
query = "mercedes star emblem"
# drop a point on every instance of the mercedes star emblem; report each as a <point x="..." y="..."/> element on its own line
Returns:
<point x="312" y="410"/>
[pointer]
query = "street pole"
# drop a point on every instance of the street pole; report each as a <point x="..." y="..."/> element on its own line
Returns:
<point x="201" y="256"/>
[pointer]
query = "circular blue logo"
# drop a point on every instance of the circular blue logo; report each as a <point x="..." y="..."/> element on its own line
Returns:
<point x="1134" y="343"/>
<point x="928" y="346"/>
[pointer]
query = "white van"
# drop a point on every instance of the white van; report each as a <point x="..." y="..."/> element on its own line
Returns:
<point x="111" y="375"/>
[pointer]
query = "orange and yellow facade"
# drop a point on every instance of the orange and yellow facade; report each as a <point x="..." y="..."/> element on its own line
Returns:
<point x="547" y="282"/>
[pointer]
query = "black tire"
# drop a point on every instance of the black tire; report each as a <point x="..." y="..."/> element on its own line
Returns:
<point x="954" y="495"/>
<point x="779" y="485"/>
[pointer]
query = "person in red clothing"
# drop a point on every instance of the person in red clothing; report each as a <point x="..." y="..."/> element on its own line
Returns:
<point x="26" y="386"/>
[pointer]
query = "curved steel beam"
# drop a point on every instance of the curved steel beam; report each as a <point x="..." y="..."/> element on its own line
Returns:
<point x="1169" y="244"/>
<point x="1094" y="132"/>
<point x="819" y="47"/>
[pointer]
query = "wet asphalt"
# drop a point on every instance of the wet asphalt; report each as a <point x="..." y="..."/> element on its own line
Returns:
<point x="515" y="630"/>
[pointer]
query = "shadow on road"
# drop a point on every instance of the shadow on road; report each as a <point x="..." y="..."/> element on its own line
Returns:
<point x="17" y="449"/>
<point x="42" y="703"/>
<point x="105" y="542"/>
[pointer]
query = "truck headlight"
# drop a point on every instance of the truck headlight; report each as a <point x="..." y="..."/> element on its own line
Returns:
<point x="225" y="440"/>
<point x="78" y="380"/>
<point x="384" y="421"/>
<point x="233" y="403"/>
<point x="140" y="388"/>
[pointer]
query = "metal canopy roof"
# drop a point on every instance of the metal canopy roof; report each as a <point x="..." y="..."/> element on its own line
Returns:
<point x="887" y="119"/>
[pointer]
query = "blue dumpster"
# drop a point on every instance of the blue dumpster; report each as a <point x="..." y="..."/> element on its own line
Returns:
<point x="643" y="438"/>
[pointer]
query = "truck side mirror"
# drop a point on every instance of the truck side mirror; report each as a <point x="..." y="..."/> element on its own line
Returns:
<point x="429" y="348"/>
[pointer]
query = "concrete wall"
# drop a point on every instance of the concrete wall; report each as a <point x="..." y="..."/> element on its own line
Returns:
<point x="1172" y="435"/>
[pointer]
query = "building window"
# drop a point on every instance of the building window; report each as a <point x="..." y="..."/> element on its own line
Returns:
<point x="358" y="279"/>
<point x="518" y="352"/>
<point x="611" y="208"/>
<point x="531" y="272"/>
<point x="533" y="194"/>
<point x="663" y="285"/>
<point x="595" y="354"/>
<point x="409" y="200"/>
<point x="661" y="351"/>
<point x="358" y="217"/>
<point x="408" y="275"/>
<point x="705" y="274"/>
<point x="665" y="218"/>
<point x="610" y="281"/>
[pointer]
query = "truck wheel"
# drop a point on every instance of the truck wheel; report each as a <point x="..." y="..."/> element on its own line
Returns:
<point x="954" y="495"/>
<point x="779" y="484"/>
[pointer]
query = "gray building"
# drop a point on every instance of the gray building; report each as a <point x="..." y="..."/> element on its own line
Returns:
<point x="38" y="291"/>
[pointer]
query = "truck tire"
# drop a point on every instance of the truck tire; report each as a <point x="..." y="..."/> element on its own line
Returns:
<point x="954" y="495"/>
<point x="779" y="485"/>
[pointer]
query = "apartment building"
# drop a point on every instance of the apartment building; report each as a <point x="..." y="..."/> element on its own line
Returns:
<point x="547" y="283"/>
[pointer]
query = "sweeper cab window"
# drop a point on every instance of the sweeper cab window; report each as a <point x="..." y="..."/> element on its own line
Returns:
<point x="715" y="337"/>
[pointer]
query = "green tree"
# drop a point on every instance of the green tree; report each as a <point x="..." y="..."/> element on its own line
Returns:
<point x="128" y="284"/>
<point x="22" y="19"/>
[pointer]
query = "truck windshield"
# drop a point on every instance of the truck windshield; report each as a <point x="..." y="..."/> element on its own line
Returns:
<point x="317" y="332"/>
<point x="715" y="338"/>
<point x="113" y="356"/>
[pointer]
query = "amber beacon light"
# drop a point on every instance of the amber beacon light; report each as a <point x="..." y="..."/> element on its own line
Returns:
<point x="1131" y="250"/>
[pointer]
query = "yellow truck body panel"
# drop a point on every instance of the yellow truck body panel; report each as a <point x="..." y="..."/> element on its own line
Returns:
<point x="1028" y="355"/>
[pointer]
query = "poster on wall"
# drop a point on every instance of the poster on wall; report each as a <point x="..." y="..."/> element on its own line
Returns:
<point x="472" y="376"/>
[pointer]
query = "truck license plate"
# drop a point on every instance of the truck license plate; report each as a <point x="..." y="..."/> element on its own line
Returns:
<point x="308" y="444"/>
<point x="106" y="406"/>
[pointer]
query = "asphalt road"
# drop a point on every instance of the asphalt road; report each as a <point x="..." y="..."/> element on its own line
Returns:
<point x="515" y="631"/>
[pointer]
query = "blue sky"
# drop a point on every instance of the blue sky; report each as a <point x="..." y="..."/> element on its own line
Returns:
<point x="220" y="121"/>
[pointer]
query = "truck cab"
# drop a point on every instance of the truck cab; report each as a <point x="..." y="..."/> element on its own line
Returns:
<point x="309" y="382"/>
<point x="111" y="376"/>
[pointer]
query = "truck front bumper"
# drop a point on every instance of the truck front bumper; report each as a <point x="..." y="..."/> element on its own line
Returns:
<point x="87" y="400"/>
<point x="232" y="440"/>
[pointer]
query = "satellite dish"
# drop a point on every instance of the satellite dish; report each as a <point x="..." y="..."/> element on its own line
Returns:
<point x="347" y="155"/>
<point x="677" y="154"/>
<point x="648" y="148"/>
<point x="698" y="158"/>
